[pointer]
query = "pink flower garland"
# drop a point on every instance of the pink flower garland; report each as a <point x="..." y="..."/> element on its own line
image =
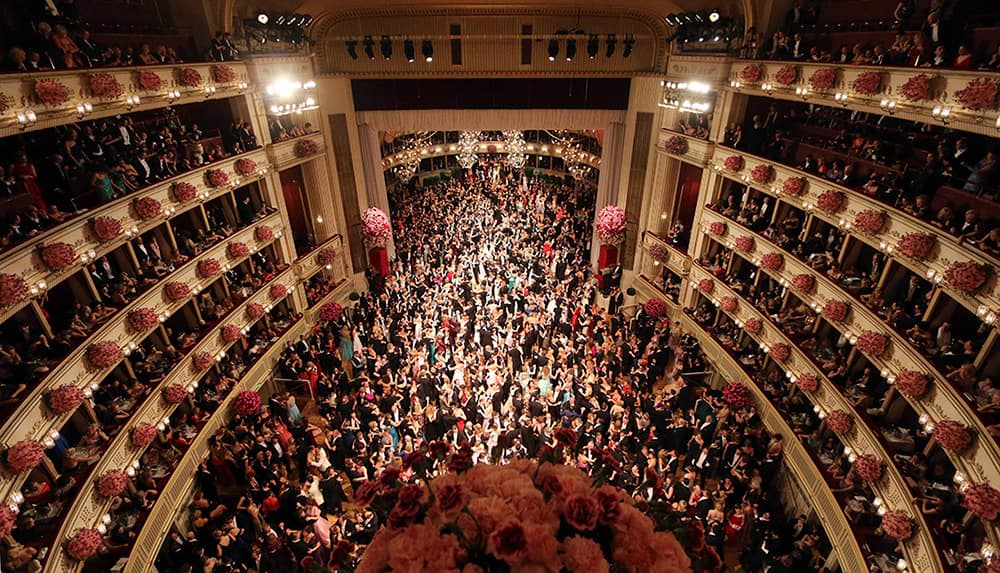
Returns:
<point x="217" y="177"/>
<point x="794" y="185"/>
<point x="779" y="351"/>
<point x="7" y="518"/>
<point x="51" y="92"/>
<point x="143" y="435"/>
<point x="807" y="382"/>
<point x="245" y="166"/>
<point x="802" y="283"/>
<point x="717" y="228"/>
<point x="916" y="88"/>
<point x="911" y="383"/>
<point x="177" y="291"/>
<point x="327" y="256"/>
<point x="728" y="304"/>
<point x="867" y="83"/>
<point x="897" y="525"/>
<point x="839" y="422"/>
<point x="263" y="233"/>
<point x="65" y="398"/>
<point x="978" y="94"/>
<point x="982" y="500"/>
<point x="237" y="250"/>
<point x="868" y="468"/>
<point x="13" y="289"/>
<point x="209" y="268"/>
<point x="736" y="395"/>
<point x="231" y="333"/>
<point x="772" y="261"/>
<point x="150" y="81"/>
<point x="174" y="394"/>
<point x="112" y="483"/>
<point x="753" y="325"/>
<point x="105" y="85"/>
<point x="952" y="435"/>
<point x="184" y="192"/>
<point x="278" y="291"/>
<point x="223" y="74"/>
<point x="107" y="228"/>
<point x="706" y="286"/>
<point x="255" y="310"/>
<point x="869" y="221"/>
<point x="873" y="343"/>
<point x="58" y="256"/>
<point x="247" y="402"/>
<point x="676" y="145"/>
<point x="147" y="208"/>
<point x="24" y="456"/>
<point x="751" y="73"/>
<point x="84" y="544"/>
<point x="835" y="310"/>
<point x="659" y="253"/>
<point x="830" y="201"/>
<point x="611" y="223"/>
<point x="203" y="361"/>
<point x="5" y="103"/>
<point x="305" y="148"/>
<point x="823" y="78"/>
<point x="655" y="308"/>
<point x="966" y="276"/>
<point x="190" y="78"/>
<point x="104" y="354"/>
<point x="915" y="245"/>
<point x="331" y="311"/>
<point x="744" y="243"/>
<point x="787" y="75"/>
<point x="762" y="173"/>
<point x="733" y="163"/>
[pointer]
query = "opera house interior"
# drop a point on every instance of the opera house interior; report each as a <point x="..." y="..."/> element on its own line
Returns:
<point x="630" y="286"/>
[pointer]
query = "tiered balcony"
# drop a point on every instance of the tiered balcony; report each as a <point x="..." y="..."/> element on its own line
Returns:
<point x="694" y="151"/>
<point x="291" y="152"/>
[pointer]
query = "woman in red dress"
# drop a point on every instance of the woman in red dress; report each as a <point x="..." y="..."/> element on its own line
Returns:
<point x="27" y="179"/>
<point x="735" y="523"/>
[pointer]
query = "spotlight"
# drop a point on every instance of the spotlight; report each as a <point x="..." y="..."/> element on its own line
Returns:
<point x="427" y="49"/>
<point x="385" y="46"/>
<point x="714" y="16"/>
<point x="369" y="47"/>
<point x="592" y="45"/>
<point x="352" y="49"/>
<point x="553" y="49"/>
<point x="628" y="45"/>
<point x="611" y="45"/>
<point x="570" y="49"/>
<point x="408" y="50"/>
<point x="262" y="18"/>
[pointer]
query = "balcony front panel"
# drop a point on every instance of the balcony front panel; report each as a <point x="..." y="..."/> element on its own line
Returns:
<point x="694" y="151"/>
<point x="292" y="152"/>
<point x="677" y="261"/>
<point x="712" y="70"/>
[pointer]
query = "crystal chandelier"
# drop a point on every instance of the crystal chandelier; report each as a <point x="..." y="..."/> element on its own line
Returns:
<point x="579" y="170"/>
<point x="516" y="147"/>
<point x="468" y="144"/>
<point x="410" y="161"/>
<point x="573" y="158"/>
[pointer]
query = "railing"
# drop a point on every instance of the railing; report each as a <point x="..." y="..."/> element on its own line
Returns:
<point x="696" y="151"/>
<point x="677" y="260"/>
<point x="287" y="153"/>
<point x="25" y="103"/>
<point x="444" y="149"/>
<point x="307" y="264"/>
<point x="25" y="259"/>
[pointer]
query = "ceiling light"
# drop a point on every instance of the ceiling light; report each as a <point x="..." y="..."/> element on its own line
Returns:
<point x="369" y="47"/>
<point x="427" y="49"/>
<point x="408" y="50"/>
<point x="570" y="49"/>
<point x="714" y="16"/>
<point x="262" y="18"/>
<point x="592" y="45"/>
<point x="629" y="44"/>
<point x="611" y="46"/>
<point x="553" y="49"/>
<point x="385" y="46"/>
<point x="352" y="49"/>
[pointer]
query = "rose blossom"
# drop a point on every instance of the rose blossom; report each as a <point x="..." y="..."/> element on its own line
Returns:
<point x="582" y="554"/>
<point x="581" y="512"/>
<point x="451" y="498"/>
<point x="509" y="542"/>
<point x="366" y="493"/>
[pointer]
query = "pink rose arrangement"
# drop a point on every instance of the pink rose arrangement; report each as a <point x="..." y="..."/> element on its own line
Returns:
<point x="255" y="310"/>
<point x="952" y="435"/>
<point x="184" y="191"/>
<point x="327" y="256"/>
<point x="7" y="518"/>
<point x="105" y="85"/>
<point x="772" y="261"/>
<point x="807" y="382"/>
<point x="762" y="173"/>
<point x="58" y="256"/>
<point x="331" y="311"/>
<point x="223" y="74"/>
<point x="24" y="456"/>
<point x="823" y="78"/>
<point x="247" y="402"/>
<point x="787" y="75"/>
<point x="897" y="525"/>
<point x="147" y="208"/>
<point x="190" y="78"/>
<point x="733" y="163"/>
<point x="830" y="201"/>
<point x="305" y="148"/>
<point x="706" y="286"/>
<point x="84" y="544"/>
<point x="208" y="268"/>
<point x="143" y="434"/>
<point x="676" y="145"/>
<point x="717" y="228"/>
<point x="659" y="253"/>
<point x="104" y="354"/>
<point x="751" y="73"/>
<point x="869" y="221"/>
<point x="174" y="394"/>
<point x="655" y="308"/>
<point x="802" y="283"/>
<point x="278" y="291"/>
<point x="868" y="467"/>
<point x="106" y="228"/>
<point x="978" y="94"/>
<point x="835" y="310"/>
<point x="728" y="304"/>
<point x="112" y="483"/>
<point x="794" y="185"/>
<point x="13" y="289"/>
<point x="150" y="81"/>
<point x="5" y="103"/>
<point x="911" y="383"/>
<point x="867" y="83"/>
<point x="966" y="276"/>
<point x="744" y="243"/>
<point x="736" y="395"/>
<point x="753" y="325"/>
<point x="65" y="398"/>
<point x="915" y="245"/>
<point x="263" y="233"/>
<point x="245" y="166"/>
<point x="982" y="500"/>
<point x="177" y="291"/>
<point x="203" y="361"/>
<point x="839" y="422"/>
<point x="217" y="177"/>
<point x="237" y="250"/>
<point x="231" y="333"/>
<point x="51" y="92"/>
<point x="916" y="88"/>
<point x="780" y="351"/>
<point x="873" y="343"/>
<point x="611" y="223"/>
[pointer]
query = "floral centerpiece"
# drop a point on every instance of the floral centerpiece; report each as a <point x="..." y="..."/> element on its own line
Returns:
<point x="58" y="256"/>
<point x="209" y="267"/>
<point x="105" y="85"/>
<point x="278" y="291"/>
<point x="176" y="291"/>
<point x="305" y="148"/>
<point x="255" y="310"/>
<point x="150" y="81"/>
<point x="104" y="354"/>
<point x="24" y="456"/>
<point x="952" y="435"/>
<point x="779" y="351"/>
<point x="7" y="519"/>
<point x="245" y="166"/>
<point x="966" y="276"/>
<point x="982" y="500"/>
<point x="802" y="283"/>
<point x="911" y="383"/>
<point x="916" y="88"/>
<point x="823" y="78"/>
<point x="237" y="250"/>
<point x="217" y="177"/>
<point x="753" y="325"/>
<point x="223" y="74"/>
<point x="872" y="343"/>
<point x="830" y="201"/>
<point x="190" y="78"/>
<point x="247" y="402"/>
<point x="65" y="398"/>
<point x="793" y="185"/>
<point x="611" y="223"/>
<point x="762" y="173"/>
<point x="868" y="467"/>
<point x="807" y="382"/>
<point x="231" y="333"/>
<point x="13" y="289"/>
<point x="772" y="261"/>
<point x="263" y="233"/>
<point x="744" y="243"/>
<point x="751" y="73"/>
<point x="915" y="245"/>
<point x="112" y="483"/>
<point x="787" y="75"/>
<point x="728" y="304"/>
<point x="655" y="308"/>
<point x="659" y="253"/>
<point x="978" y="94"/>
<point x="84" y="544"/>
<point x="717" y="228"/>
<point x="327" y="256"/>
<point x="835" y="310"/>
<point x="676" y="145"/>
<point x="143" y="435"/>
<point x="184" y="191"/>
<point x="106" y="228"/>
<point x="203" y="361"/>
<point x="867" y="83"/>
<point x="706" y="286"/>
<point x="733" y="163"/>
<point x="174" y="394"/>
<point x="869" y="221"/>
<point x="736" y="395"/>
<point x="839" y="422"/>
<point x="331" y="311"/>
<point x="897" y="525"/>
<point x="147" y="207"/>
<point x="51" y="92"/>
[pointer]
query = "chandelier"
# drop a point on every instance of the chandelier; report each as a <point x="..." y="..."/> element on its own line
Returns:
<point x="573" y="158"/>
<point x="468" y="144"/>
<point x="410" y="162"/>
<point x="516" y="147"/>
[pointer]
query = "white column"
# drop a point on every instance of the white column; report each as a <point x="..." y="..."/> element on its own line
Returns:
<point x="607" y="181"/>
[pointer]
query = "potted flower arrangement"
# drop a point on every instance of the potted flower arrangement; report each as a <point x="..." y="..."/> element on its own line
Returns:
<point x="150" y="81"/>
<point x="772" y="261"/>
<point x="105" y="85"/>
<point x="611" y="223"/>
<point x="327" y="256"/>
<point x="830" y="201"/>
<point x="231" y="333"/>
<point x="869" y="221"/>
<point x="779" y="351"/>
<point x="897" y="525"/>
<point x="65" y="398"/>
<point x="112" y="483"/>
<point x="823" y="78"/>
<point x="736" y="395"/>
<point x="706" y="286"/>
<point x="143" y="435"/>
<point x="255" y="310"/>
<point x="208" y="268"/>
<point x="58" y="256"/>
<point x="655" y="308"/>
<point x="867" y="83"/>
<point x="174" y="394"/>
<point x="24" y="456"/>
<point x="659" y="253"/>
<point x="106" y="228"/>
<point x="104" y="354"/>
<point x="263" y="233"/>
<point x="51" y="92"/>
<point x="190" y="78"/>
<point x="13" y="289"/>
<point x="247" y="402"/>
<point x="84" y="544"/>
<point x="245" y="166"/>
<point x="237" y="250"/>
<point x="793" y="186"/>
<point x="717" y="228"/>
<point x="807" y="382"/>
<point x="762" y="173"/>
<point x="278" y="291"/>
<point x="872" y="343"/>
<point x="223" y="74"/>
<point x="184" y="191"/>
<point x="744" y="243"/>
<point x="978" y="94"/>
<point x="839" y="422"/>
<point x="331" y="311"/>
<point x="952" y="435"/>
<point x="835" y="310"/>
<point x="203" y="361"/>
<point x="176" y="291"/>
<point x="982" y="500"/>
<point x="217" y="177"/>
<point x="143" y="319"/>
<point x="966" y="276"/>
<point x="911" y="383"/>
<point x="787" y="75"/>
<point x="676" y="145"/>
<point x="305" y="148"/>
<point x="728" y="304"/>
<point x="916" y="88"/>
<point x="915" y="245"/>
<point x="733" y="163"/>
<point x="802" y="283"/>
<point x="751" y="73"/>
<point x="868" y="468"/>
<point x="147" y="208"/>
<point x="753" y="325"/>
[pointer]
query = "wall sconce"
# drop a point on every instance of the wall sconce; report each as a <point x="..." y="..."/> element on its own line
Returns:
<point x="88" y="256"/>
<point x="735" y="84"/>
<point x="173" y="95"/>
<point x="131" y="101"/>
<point x="768" y="88"/>
<point x="38" y="288"/>
<point x="941" y="114"/>
<point x="169" y="212"/>
<point x="802" y="92"/>
<point x="26" y="119"/>
<point x="888" y="106"/>
<point x="83" y="109"/>
<point x="901" y="564"/>
<point x="242" y="86"/>
<point x="841" y="97"/>
<point x="209" y="90"/>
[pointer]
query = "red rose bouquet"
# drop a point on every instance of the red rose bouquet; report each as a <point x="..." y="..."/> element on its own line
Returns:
<point x="84" y="544"/>
<point x="104" y="354"/>
<point x="184" y="192"/>
<point x="247" y="402"/>
<point x="105" y="85"/>
<point x="916" y="88"/>
<point x="717" y="228"/>
<point x="966" y="276"/>
<point x="762" y="173"/>
<point x="897" y="525"/>
<point x="744" y="243"/>
<point x="873" y="343"/>
<point x="13" y="289"/>
<point x="982" y="500"/>
<point x="706" y="286"/>
<point x="787" y="75"/>
<point x="203" y="361"/>
<point x="305" y="148"/>
<point x="830" y="201"/>
<point x="174" y="394"/>
<point x="655" y="308"/>
<point x="327" y="256"/>
<point x="24" y="456"/>
<point x="58" y="256"/>
<point x="208" y="268"/>
<point x="237" y="250"/>
<point x="794" y="185"/>
<point x="868" y="468"/>
<point x="835" y="310"/>
<point x="952" y="435"/>
<point x="611" y="223"/>
<point x="659" y="253"/>
<point x="107" y="228"/>
<point x="772" y="261"/>
<point x="780" y="351"/>
<point x="728" y="304"/>
<point x="911" y="383"/>
<point x="5" y="103"/>
<point x="65" y="398"/>
<point x="867" y="83"/>
<point x="177" y="291"/>
<point x="7" y="518"/>
<point x="839" y="422"/>
<point x="231" y="333"/>
<point x="331" y="311"/>
<point x="255" y="310"/>
<point x="915" y="245"/>
<point x="751" y="73"/>
<point x="753" y="325"/>
<point x="733" y="163"/>
<point x="736" y="395"/>
<point x="676" y="145"/>
<point x="807" y="382"/>
<point x="190" y="78"/>
<point x="112" y="483"/>
<point x="51" y="92"/>
<point x="150" y="81"/>
<point x="223" y="74"/>
<point x="217" y="177"/>
<point x="143" y="435"/>
<point x="869" y="221"/>
<point x="802" y="283"/>
<point x="278" y="291"/>
<point x="979" y="94"/>
<point x="823" y="78"/>
<point x="147" y="208"/>
<point x="245" y="166"/>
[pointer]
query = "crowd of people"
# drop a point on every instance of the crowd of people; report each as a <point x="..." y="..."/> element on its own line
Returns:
<point x="488" y="333"/>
